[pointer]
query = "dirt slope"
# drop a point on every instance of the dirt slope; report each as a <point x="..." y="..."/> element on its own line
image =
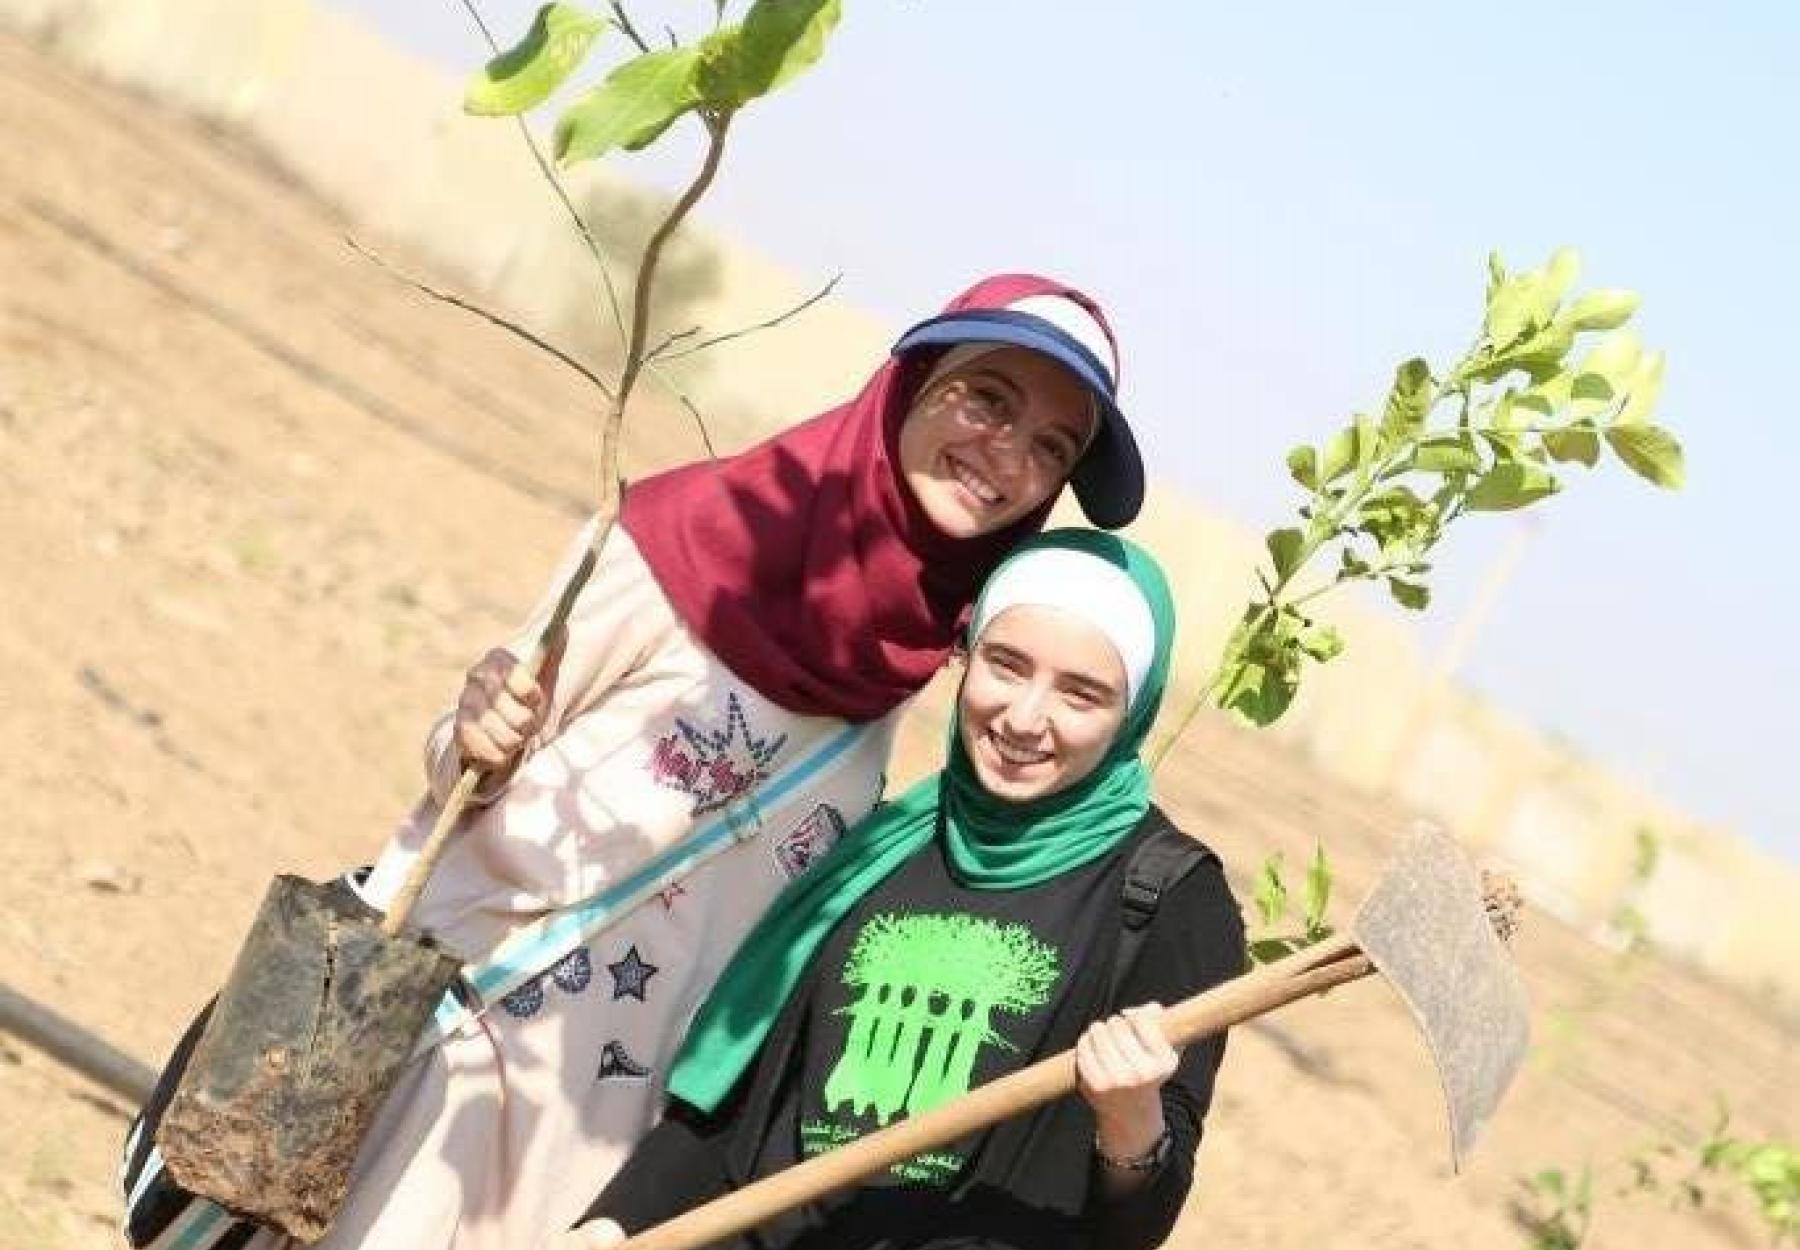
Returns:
<point x="260" y="505"/>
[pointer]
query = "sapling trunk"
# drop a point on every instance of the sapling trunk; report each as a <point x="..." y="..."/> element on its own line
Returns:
<point x="611" y="492"/>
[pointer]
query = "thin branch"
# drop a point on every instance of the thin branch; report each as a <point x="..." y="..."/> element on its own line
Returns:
<point x="490" y="317"/>
<point x="694" y="412"/>
<point x="716" y="128"/>
<point x="482" y="26"/>
<point x="776" y="320"/>
<point x="582" y="228"/>
<point x="669" y="340"/>
<point x="626" y="28"/>
<point x="1161" y="752"/>
<point x="562" y="194"/>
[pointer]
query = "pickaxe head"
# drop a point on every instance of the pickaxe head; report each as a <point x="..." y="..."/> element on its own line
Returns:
<point x="1432" y="933"/>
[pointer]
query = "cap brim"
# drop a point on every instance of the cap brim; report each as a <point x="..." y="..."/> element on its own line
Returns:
<point x="1108" y="481"/>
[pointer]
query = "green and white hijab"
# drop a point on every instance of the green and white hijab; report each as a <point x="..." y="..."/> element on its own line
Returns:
<point x="991" y="843"/>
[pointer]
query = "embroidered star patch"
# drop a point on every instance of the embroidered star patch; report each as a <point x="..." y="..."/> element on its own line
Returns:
<point x="630" y="975"/>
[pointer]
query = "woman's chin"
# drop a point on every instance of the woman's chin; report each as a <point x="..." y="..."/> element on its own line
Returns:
<point x="954" y="515"/>
<point x="1014" y="783"/>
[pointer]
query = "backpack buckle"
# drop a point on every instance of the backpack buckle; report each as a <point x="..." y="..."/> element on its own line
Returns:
<point x="1139" y="899"/>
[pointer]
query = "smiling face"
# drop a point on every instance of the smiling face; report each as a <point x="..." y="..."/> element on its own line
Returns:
<point x="1042" y="700"/>
<point x="986" y="444"/>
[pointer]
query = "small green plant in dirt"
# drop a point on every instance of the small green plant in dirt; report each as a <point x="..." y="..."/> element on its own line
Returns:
<point x="1275" y="909"/>
<point x="1772" y="1172"/>
<point x="1693" y="1176"/>
<point x="1558" y="1208"/>
<point x="1689" y="1175"/>
<point x="1627" y="920"/>
<point x="1493" y="432"/>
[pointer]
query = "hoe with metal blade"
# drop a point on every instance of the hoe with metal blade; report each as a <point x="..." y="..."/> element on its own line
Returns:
<point x="1428" y="928"/>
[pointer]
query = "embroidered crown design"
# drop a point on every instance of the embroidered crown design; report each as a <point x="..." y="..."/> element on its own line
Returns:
<point x="715" y="766"/>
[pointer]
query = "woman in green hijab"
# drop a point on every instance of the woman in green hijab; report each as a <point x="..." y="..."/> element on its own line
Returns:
<point x="995" y="913"/>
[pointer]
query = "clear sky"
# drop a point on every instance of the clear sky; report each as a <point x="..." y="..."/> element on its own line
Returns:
<point x="1279" y="203"/>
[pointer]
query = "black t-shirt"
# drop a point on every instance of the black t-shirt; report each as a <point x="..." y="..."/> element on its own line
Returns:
<point x="927" y="989"/>
<point x="1028" y="1183"/>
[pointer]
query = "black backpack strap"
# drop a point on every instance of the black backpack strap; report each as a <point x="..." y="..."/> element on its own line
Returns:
<point x="1161" y="858"/>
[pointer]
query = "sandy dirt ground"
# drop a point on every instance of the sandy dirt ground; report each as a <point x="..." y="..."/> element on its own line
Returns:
<point x="260" y="505"/>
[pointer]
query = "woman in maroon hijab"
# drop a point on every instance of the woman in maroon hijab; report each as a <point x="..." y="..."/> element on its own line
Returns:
<point x="729" y="685"/>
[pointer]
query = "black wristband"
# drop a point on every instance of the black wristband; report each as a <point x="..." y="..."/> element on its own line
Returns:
<point x="1149" y="1161"/>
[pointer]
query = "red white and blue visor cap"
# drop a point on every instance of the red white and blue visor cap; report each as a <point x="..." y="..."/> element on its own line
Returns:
<point x="1109" y="478"/>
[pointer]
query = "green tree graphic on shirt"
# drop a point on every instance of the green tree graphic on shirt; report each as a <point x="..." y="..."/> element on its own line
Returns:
<point x="928" y="987"/>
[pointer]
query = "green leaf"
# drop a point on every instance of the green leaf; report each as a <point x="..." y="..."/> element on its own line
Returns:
<point x="1649" y="451"/>
<point x="1591" y="395"/>
<point x="1508" y="445"/>
<point x="1260" y="672"/>
<point x="1510" y="485"/>
<point x="777" y="40"/>
<point x="1368" y="443"/>
<point x="1522" y="306"/>
<point x="637" y="102"/>
<point x="1263" y="693"/>
<point x="1496" y="274"/>
<point x="1408" y="401"/>
<point x="1409" y="594"/>
<point x="1577" y="442"/>
<point x="1398" y="520"/>
<point x="1268" y="950"/>
<point x="1271" y="891"/>
<point x="1340" y="455"/>
<point x="1321" y="528"/>
<point x="1615" y="357"/>
<point x="1642" y="391"/>
<point x="526" y="74"/>
<point x="1303" y="463"/>
<point x="1539" y="401"/>
<point x="1547" y="396"/>
<point x="1284" y="549"/>
<point x="1447" y="453"/>
<point x="1594" y="386"/>
<point x="1318" y="888"/>
<point x="1602" y="310"/>
<point x="1508" y="314"/>
<point x="1542" y="354"/>
<point x="1560" y="274"/>
<point x="1321" y="642"/>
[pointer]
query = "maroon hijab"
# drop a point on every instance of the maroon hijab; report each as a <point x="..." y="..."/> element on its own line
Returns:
<point x="805" y="564"/>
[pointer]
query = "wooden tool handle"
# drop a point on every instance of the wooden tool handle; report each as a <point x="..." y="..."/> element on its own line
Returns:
<point x="458" y="798"/>
<point x="1306" y="972"/>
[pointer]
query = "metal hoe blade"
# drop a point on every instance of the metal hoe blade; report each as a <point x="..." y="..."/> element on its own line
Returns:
<point x="1426" y="930"/>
